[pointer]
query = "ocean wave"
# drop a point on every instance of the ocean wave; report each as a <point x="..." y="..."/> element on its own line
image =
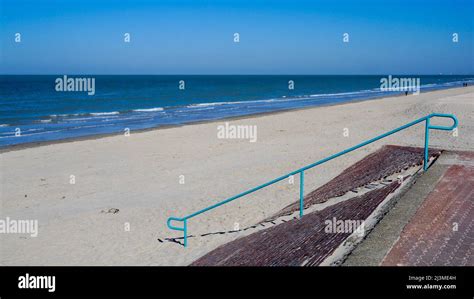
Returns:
<point x="32" y="134"/>
<point x="85" y="114"/>
<point x="193" y="109"/>
<point x="104" y="113"/>
<point x="24" y="132"/>
<point x="344" y="93"/>
<point x="81" y="119"/>
<point x="149" y="110"/>
<point x="66" y="115"/>
<point x="208" y="104"/>
<point x="237" y="102"/>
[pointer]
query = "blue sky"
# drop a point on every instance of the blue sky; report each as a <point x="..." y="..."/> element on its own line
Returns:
<point x="276" y="37"/>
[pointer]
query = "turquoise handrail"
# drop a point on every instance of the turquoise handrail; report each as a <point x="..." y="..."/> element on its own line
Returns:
<point x="300" y="171"/>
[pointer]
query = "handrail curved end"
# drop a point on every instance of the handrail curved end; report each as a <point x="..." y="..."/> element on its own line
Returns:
<point x="451" y="116"/>
<point x="168" y="223"/>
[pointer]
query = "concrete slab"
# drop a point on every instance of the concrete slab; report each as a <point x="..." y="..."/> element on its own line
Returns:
<point x="441" y="233"/>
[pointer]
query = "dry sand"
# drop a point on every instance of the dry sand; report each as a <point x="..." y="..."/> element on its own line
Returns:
<point x="140" y="176"/>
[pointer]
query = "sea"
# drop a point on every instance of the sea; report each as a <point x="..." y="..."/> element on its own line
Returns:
<point x="33" y="110"/>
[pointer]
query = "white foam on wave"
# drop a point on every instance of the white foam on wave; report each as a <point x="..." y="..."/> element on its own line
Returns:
<point x="32" y="134"/>
<point x="208" y="104"/>
<point x="104" y="113"/>
<point x="80" y="119"/>
<point x="149" y="110"/>
<point x="66" y="115"/>
<point x="233" y="103"/>
<point x="344" y="93"/>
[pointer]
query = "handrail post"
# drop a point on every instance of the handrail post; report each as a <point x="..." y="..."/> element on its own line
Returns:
<point x="185" y="230"/>
<point x="427" y="140"/>
<point x="301" y="193"/>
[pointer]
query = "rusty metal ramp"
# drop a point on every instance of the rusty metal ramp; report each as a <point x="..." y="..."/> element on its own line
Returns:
<point x="337" y="215"/>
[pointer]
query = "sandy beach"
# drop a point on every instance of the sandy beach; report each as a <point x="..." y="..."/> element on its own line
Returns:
<point x="142" y="176"/>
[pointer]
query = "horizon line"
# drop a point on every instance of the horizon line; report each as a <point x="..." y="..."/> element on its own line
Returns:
<point x="224" y="74"/>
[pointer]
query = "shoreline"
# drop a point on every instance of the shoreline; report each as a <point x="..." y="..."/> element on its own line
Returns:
<point x="27" y="145"/>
